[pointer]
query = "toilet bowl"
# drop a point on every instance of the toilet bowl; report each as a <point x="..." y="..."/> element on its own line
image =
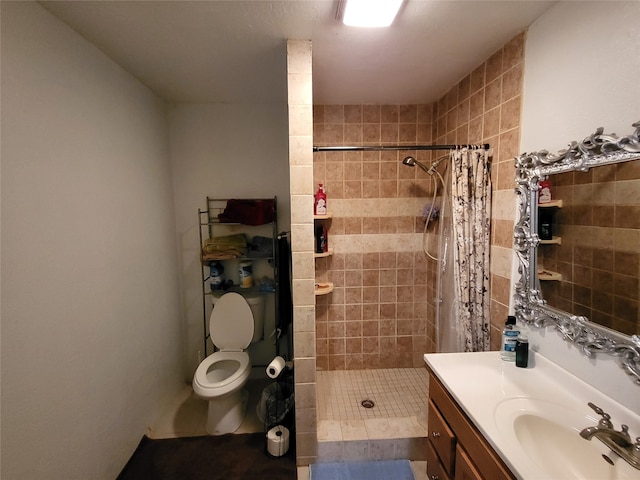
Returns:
<point x="220" y="377"/>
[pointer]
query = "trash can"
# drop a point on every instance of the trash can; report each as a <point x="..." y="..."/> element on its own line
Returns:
<point x="276" y="402"/>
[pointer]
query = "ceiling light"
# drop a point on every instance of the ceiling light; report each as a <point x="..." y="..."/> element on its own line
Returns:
<point x="370" y="13"/>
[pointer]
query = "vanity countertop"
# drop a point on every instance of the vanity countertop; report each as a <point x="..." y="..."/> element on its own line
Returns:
<point x="523" y="411"/>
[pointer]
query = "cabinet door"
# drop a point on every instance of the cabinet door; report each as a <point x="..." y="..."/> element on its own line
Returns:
<point x="465" y="470"/>
<point x="442" y="438"/>
<point x="435" y="470"/>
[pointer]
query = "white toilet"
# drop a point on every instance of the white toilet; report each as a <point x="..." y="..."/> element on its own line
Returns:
<point x="235" y="322"/>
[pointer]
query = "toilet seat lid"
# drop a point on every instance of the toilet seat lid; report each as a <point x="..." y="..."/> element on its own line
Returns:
<point x="231" y="322"/>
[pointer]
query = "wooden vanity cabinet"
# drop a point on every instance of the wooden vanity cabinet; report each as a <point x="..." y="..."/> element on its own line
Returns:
<point x="456" y="450"/>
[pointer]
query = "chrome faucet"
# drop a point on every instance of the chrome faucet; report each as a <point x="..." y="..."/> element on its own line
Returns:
<point x="618" y="441"/>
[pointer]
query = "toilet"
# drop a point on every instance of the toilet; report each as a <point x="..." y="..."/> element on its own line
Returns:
<point x="235" y="323"/>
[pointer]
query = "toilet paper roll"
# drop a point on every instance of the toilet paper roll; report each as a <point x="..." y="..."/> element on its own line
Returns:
<point x="278" y="441"/>
<point x="275" y="367"/>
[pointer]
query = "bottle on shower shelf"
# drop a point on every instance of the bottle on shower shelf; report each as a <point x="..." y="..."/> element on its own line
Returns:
<point x="320" y="201"/>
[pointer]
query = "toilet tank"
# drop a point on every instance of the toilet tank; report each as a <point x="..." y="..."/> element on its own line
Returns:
<point x="256" y="303"/>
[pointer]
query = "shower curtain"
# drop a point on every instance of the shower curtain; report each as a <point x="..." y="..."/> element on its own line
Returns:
<point x="471" y="217"/>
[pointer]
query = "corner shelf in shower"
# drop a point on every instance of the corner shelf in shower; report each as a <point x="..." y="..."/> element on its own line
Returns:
<point x="322" y="217"/>
<point x="323" y="288"/>
<point x="324" y="254"/>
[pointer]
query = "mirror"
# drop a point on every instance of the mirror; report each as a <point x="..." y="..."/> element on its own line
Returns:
<point x="555" y="290"/>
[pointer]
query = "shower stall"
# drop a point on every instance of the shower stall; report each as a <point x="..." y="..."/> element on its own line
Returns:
<point x="387" y="234"/>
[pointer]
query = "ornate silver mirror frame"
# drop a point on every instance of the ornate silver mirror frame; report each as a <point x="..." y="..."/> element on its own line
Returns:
<point x="595" y="150"/>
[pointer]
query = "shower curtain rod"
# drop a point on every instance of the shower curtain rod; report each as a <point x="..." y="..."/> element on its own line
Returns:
<point x="484" y="146"/>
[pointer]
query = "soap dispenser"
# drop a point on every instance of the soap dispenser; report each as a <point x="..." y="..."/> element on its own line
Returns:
<point x="509" y="338"/>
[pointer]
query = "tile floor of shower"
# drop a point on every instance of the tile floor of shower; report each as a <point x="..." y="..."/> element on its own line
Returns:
<point x="395" y="428"/>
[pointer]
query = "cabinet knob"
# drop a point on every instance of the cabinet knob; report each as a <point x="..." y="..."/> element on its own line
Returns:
<point x="435" y="434"/>
<point x="434" y="477"/>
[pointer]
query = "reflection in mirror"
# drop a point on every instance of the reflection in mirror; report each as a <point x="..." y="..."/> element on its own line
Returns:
<point x="579" y="255"/>
<point x="595" y="245"/>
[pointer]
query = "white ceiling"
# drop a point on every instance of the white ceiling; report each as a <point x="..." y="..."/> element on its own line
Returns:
<point x="234" y="51"/>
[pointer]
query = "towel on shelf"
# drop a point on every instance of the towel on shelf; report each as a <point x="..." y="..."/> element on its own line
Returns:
<point x="248" y="212"/>
<point x="228" y="246"/>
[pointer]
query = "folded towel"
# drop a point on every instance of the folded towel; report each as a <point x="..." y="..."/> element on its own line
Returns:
<point x="228" y="246"/>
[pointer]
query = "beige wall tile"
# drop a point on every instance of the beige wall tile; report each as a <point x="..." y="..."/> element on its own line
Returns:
<point x="298" y="56"/>
<point x="301" y="150"/>
<point x="501" y="259"/>
<point x="303" y="265"/>
<point x="300" y="120"/>
<point x="305" y="370"/>
<point x="301" y="179"/>
<point x="301" y="208"/>
<point x="304" y="344"/>
<point x="303" y="291"/>
<point x="302" y="237"/>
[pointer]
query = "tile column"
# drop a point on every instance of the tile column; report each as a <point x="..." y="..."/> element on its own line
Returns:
<point x="300" y="100"/>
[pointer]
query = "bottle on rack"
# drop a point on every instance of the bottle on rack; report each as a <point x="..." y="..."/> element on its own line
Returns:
<point x="320" y="201"/>
<point x="509" y="338"/>
<point x="216" y="275"/>
<point x="245" y="270"/>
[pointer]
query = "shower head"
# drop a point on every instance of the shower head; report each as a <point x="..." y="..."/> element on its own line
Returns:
<point x="409" y="161"/>
<point x="412" y="162"/>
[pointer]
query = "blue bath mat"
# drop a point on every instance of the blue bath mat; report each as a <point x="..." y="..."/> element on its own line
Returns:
<point x="380" y="470"/>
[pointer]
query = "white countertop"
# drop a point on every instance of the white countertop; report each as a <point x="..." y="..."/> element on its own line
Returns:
<point x="493" y="393"/>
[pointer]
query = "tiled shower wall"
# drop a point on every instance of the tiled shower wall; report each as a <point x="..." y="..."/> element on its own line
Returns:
<point x="484" y="107"/>
<point x="382" y="312"/>
<point x="378" y="315"/>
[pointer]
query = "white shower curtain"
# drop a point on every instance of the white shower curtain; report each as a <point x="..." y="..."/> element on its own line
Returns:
<point x="471" y="217"/>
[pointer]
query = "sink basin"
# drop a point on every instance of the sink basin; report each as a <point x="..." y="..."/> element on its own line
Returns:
<point x="547" y="434"/>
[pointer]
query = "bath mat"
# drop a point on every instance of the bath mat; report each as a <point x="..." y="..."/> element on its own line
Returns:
<point x="379" y="470"/>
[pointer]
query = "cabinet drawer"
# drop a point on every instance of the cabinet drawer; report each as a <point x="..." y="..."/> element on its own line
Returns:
<point x="442" y="438"/>
<point x="435" y="470"/>
<point x="485" y="460"/>
<point x="465" y="470"/>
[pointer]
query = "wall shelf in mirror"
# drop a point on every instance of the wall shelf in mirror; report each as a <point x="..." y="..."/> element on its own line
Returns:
<point x="621" y="156"/>
<point x="548" y="275"/>
<point x="554" y="241"/>
<point x="551" y="204"/>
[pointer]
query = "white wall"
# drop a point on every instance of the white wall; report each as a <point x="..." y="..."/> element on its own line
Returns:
<point x="582" y="71"/>
<point x="222" y="151"/>
<point x="91" y="338"/>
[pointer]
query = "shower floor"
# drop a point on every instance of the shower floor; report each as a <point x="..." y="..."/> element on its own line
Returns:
<point x="395" y="427"/>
